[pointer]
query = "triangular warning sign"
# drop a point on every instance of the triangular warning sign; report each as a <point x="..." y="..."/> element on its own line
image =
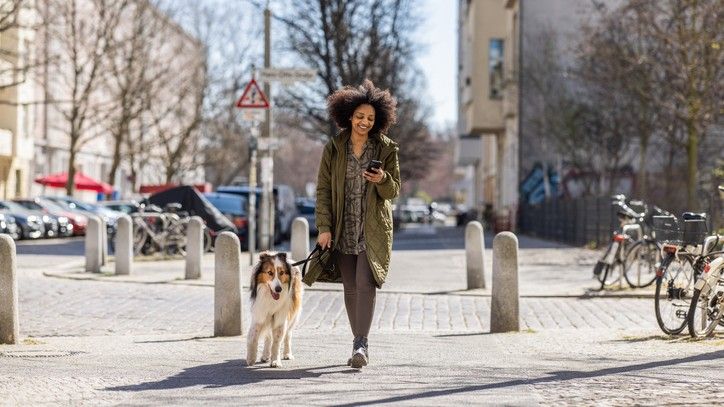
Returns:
<point x="252" y="97"/>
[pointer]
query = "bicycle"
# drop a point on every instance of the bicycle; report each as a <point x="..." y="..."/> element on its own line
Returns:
<point x="632" y="254"/>
<point x="160" y="231"/>
<point x="684" y="258"/>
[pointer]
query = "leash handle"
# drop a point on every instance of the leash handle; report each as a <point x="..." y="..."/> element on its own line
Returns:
<point x="317" y="249"/>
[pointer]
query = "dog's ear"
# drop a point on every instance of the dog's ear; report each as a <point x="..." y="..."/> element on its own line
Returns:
<point x="264" y="256"/>
<point x="282" y="256"/>
<point x="254" y="272"/>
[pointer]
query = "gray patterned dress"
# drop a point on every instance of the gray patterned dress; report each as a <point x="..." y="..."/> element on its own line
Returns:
<point x="355" y="187"/>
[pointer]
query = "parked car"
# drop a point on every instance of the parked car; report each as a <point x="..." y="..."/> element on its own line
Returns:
<point x="50" y="222"/>
<point x="8" y="226"/>
<point x="66" y="220"/>
<point x="30" y="224"/>
<point x="234" y="207"/>
<point x="110" y="217"/>
<point x="285" y="208"/>
<point x="306" y="208"/>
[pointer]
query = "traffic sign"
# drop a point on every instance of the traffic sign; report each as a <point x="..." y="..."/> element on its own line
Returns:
<point x="252" y="97"/>
<point x="287" y="75"/>
<point x="253" y="114"/>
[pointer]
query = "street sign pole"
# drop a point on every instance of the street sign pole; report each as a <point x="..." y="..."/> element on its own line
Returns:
<point x="251" y="235"/>
<point x="267" y="168"/>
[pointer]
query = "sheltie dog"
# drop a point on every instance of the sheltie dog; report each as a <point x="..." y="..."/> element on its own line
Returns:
<point x="276" y="303"/>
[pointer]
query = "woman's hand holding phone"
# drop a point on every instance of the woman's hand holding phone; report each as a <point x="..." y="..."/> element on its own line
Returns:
<point x="374" y="172"/>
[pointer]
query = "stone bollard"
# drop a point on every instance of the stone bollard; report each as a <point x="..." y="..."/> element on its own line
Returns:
<point x="194" y="248"/>
<point x="124" y="246"/>
<point x="9" y="330"/>
<point x="504" y="309"/>
<point x="104" y="241"/>
<point x="475" y="255"/>
<point x="93" y="241"/>
<point x="227" y="285"/>
<point x="300" y="238"/>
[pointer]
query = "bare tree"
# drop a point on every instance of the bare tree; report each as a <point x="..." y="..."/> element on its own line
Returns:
<point x="666" y="55"/>
<point x="348" y="41"/>
<point x="138" y="71"/>
<point x="82" y="36"/>
<point x="10" y="11"/>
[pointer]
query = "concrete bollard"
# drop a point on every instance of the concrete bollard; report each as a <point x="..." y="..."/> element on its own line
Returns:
<point x="300" y="238"/>
<point x="475" y="255"/>
<point x="504" y="309"/>
<point x="194" y="248"/>
<point x="93" y="241"/>
<point x="9" y="330"/>
<point x="124" y="246"/>
<point x="104" y="242"/>
<point x="227" y="285"/>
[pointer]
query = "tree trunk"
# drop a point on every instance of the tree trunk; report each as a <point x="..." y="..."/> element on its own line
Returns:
<point x="692" y="152"/>
<point x="70" y="183"/>
<point x="641" y="187"/>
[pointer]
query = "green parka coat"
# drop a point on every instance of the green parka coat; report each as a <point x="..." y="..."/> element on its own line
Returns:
<point x="378" y="209"/>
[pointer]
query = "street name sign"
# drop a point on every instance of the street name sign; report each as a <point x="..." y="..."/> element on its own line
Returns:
<point x="287" y="75"/>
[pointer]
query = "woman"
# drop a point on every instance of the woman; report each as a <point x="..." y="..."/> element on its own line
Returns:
<point x="354" y="209"/>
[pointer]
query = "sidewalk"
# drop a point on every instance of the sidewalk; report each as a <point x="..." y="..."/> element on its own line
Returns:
<point x="545" y="368"/>
<point x="145" y="339"/>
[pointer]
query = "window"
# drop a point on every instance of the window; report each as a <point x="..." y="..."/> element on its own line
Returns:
<point x="495" y="68"/>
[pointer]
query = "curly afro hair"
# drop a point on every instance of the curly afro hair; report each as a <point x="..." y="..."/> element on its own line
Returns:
<point x="342" y="103"/>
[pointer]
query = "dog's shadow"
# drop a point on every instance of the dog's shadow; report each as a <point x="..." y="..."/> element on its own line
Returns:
<point x="231" y="373"/>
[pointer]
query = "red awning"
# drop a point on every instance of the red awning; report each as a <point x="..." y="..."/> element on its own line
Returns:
<point x="82" y="182"/>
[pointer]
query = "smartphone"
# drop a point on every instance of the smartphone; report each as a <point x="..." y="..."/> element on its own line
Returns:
<point x="373" y="165"/>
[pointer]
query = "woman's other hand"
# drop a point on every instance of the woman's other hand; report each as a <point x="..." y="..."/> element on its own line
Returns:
<point x="325" y="240"/>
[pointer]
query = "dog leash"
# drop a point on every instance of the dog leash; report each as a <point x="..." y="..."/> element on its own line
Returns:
<point x="317" y="249"/>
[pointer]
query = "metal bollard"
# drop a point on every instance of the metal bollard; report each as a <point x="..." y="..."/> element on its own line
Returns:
<point x="9" y="330"/>
<point x="475" y="255"/>
<point x="504" y="308"/>
<point x="124" y="246"/>
<point x="93" y="241"/>
<point x="104" y="241"/>
<point x="194" y="248"/>
<point x="227" y="285"/>
<point x="300" y="238"/>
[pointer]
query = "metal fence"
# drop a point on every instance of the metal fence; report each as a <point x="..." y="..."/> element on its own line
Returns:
<point x="582" y="221"/>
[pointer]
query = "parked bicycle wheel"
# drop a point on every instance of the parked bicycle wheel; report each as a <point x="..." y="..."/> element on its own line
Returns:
<point x="611" y="275"/>
<point x="140" y="235"/>
<point x="673" y="294"/>
<point x="707" y="305"/>
<point x="641" y="262"/>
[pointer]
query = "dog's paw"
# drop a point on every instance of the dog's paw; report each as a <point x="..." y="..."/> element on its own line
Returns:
<point x="275" y="363"/>
<point x="250" y="362"/>
<point x="265" y="359"/>
<point x="289" y="357"/>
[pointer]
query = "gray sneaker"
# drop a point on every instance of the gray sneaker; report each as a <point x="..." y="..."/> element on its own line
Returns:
<point x="360" y="356"/>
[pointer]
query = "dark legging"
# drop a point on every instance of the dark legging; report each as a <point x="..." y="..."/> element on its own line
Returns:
<point x="359" y="292"/>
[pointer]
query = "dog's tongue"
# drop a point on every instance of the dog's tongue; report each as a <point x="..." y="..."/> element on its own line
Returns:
<point x="275" y="295"/>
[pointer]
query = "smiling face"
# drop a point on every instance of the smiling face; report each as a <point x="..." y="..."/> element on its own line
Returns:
<point x="363" y="119"/>
<point x="273" y="274"/>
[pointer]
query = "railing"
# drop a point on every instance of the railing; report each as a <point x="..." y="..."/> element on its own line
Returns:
<point x="582" y="221"/>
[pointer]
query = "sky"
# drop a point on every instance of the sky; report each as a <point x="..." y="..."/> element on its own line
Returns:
<point x="438" y="59"/>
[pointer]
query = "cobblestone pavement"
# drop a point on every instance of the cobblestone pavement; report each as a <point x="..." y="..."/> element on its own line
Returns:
<point x="96" y="343"/>
<point x="554" y="367"/>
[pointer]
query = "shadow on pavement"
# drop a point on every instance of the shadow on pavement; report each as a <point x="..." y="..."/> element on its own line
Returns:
<point x="558" y="376"/>
<point x="230" y="373"/>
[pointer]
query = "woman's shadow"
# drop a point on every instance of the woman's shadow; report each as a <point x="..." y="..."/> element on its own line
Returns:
<point x="231" y="373"/>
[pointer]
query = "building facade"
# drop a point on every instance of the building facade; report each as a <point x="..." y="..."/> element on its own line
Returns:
<point x="500" y="45"/>
<point x="17" y="106"/>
